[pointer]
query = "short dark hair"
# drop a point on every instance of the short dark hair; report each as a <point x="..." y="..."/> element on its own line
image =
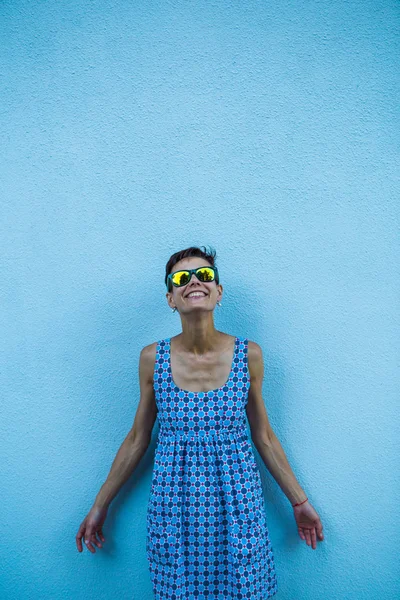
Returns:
<point x="187" y="253"/>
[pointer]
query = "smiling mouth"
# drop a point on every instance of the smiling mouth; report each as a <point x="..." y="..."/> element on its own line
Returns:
<point x="197" y="295"/>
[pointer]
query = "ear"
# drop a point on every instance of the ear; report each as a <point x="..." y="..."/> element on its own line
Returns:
<point x="171" y="304"/>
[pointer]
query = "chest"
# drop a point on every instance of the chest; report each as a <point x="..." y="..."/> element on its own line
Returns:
<point x="201" y="374"/>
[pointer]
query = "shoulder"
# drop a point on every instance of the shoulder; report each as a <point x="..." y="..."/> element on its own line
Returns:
<point x="149" y="350"/>
<point x="254" y="350"/>
<point x="254" y="358"/>
<point x="147" y="359"/>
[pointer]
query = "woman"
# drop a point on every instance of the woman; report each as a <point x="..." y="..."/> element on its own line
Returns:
<point x="206" y="528"/>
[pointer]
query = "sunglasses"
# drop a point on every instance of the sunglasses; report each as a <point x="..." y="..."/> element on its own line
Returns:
<point x="183" y="277"/>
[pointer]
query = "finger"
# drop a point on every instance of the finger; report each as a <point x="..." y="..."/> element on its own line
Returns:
<point x="103" y="539"/>
<point x="319" y="530"/>
<point x="78" y="538"/>
<point x="89" y="546"/>
<point x="308" y="537"/>
<point x="301" y="533"/>
<point x="313" y="536"/>
<point x="89" y="535"/>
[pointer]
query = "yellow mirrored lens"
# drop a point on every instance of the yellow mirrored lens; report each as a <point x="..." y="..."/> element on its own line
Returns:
<point x="205" y="274"/>
<point x="180" y="277"/>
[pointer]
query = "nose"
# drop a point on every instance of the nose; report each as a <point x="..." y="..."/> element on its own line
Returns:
<point x="191" y="277"/>
<point x="189" y="283"/>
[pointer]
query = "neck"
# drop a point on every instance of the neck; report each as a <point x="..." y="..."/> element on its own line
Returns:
<point x="199" y="335"/>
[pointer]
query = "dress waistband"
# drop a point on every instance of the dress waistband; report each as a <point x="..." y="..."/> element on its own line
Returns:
<point x="232" y="433"/>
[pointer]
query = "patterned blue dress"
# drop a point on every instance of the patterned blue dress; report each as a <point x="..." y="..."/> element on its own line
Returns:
<point x="207" y="535"/>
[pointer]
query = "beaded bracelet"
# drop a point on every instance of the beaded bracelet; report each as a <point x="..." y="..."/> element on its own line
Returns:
<point x="300" y="503"/>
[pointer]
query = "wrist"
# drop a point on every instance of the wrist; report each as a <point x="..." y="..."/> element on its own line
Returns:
<point x="103" y="499"/>
<point x="300" y="503"/>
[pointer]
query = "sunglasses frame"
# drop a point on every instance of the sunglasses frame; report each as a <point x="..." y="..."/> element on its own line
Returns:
<point x="191" y="271"/>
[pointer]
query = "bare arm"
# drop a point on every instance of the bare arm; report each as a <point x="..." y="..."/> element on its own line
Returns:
<point x="262" y="433"/>
<point x="137" y="441"/>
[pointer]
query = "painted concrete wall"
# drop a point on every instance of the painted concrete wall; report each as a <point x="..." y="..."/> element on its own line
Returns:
<point x="131" y="130"/>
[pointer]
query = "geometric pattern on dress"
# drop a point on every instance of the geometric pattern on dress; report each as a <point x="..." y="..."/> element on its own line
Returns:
<point x="207" y="535"/>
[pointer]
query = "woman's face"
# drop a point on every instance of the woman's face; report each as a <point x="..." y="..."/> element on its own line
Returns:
<point x="181" y="298"/>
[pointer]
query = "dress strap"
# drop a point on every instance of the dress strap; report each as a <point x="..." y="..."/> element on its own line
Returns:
<point x="242" y="353"/>
<point x="161" y="363"/>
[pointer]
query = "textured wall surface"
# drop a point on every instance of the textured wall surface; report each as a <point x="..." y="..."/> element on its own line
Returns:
<point x="130" y="130"/>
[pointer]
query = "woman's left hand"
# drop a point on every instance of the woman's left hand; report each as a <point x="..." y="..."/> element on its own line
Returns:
<point x="308" y="524"/>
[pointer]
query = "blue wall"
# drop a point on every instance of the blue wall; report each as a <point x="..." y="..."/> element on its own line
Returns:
<point x="131" y="130"/>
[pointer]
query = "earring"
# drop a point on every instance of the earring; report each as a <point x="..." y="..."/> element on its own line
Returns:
<point x="174" y="309"/>
<point x="219" y="303"/>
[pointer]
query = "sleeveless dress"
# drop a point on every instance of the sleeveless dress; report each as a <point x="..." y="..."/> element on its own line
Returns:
<point x="207" y="535"/>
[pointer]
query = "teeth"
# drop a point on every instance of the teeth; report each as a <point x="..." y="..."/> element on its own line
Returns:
<point x="196" y="294"/>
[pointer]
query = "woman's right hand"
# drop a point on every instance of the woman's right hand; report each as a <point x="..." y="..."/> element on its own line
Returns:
<point x="92" y="524"/>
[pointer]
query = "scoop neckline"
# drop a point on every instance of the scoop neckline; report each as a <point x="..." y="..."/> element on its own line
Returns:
<point x="168" y="340"/>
